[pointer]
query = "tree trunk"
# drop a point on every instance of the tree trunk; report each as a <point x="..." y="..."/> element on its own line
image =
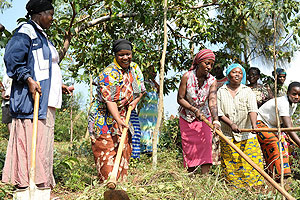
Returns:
<point x="91" y="99"/>
<point x="276" y="108"/>
<point x="161" y="88"/>
<point x="71" y="125"/>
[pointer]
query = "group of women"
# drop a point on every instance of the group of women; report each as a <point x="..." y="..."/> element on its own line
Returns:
<point x="236" y="105"/>
<point x="31" y="57"/>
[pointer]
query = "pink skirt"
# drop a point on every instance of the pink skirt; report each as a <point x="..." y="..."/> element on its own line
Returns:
<point x="17" y="163"/>
<point x="196" y="142"/>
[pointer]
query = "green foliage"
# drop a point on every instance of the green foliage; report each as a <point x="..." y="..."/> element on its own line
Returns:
<point x="72" y="169"/>
<point x="237" y="30"/>
<point x="4" y="5"/>
<point x="170" y="137"/>
<point x="63" y="119"/>
<point x="296" y="151"/>
<point x="171" y="181"/>
<point x="4" y="134"/>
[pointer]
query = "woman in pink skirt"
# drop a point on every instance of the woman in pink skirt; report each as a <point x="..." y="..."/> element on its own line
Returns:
<point x="197" y="95"/>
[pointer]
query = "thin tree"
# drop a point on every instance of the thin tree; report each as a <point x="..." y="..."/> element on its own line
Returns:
<point x="161" y="87"/>
<point x="276" y="108"/>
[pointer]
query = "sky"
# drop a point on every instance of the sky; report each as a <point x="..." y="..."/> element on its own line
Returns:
<point x="9" y="17"/>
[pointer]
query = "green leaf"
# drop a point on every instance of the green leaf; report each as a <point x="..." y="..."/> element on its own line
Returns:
<point x="117" y="4"/>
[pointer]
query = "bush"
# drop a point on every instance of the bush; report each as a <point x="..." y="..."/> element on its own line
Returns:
<point x="73" y="166"/>
<point x="63" y="119"/>
<point x="3" y="128"/>
<point x="170" y="137"/>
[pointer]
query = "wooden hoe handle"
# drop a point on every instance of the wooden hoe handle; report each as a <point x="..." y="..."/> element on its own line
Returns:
<point x="270" y="129"/>
<point x="112" y="183"/>
<point x="254" y="165"/>
<point x="33" y="144"/>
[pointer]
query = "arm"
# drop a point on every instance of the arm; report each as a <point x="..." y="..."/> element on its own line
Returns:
<point x="287" y="122"/>
<point x="181" y="96"/>
<point x="67" y="90"/>
<point x="212" y="104"/>
<point x="135" y="102"/>
<point x="252" y="108"/>
<point x="271" y="96"/>
<point x="15" y="57"/>
<point x="33" y="87"/>
<point x="113" y="109"/>
<point x="253" y="119"/>
<point x="141" y="83"/>
<point x="212" y="101"/>
<point x="230" y="123"/>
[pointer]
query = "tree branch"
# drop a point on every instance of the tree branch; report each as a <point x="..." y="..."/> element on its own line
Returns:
<point x="85" y="26"/>
<point x="204" y="5"/>
<point x="102" y="19"/>
<point x="2" y="28"/>
<point x="198" y="6"/>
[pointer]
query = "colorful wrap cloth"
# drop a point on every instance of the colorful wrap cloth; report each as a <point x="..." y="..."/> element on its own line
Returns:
<point x="196" y="138"/>
<point x="270" y="147"/>
<point x="136" y="137"/>
<point x="122" y="87"/>
<point x="148" y="118"/>
<point x="237" y="171"/>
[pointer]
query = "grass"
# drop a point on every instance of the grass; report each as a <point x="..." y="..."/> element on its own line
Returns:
<point x="76" y="179"/>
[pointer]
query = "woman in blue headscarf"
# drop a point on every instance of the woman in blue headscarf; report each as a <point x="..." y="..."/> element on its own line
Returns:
<point x="237" y="108"/>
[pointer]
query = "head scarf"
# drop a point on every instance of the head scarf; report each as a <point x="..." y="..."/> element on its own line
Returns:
<point x="235" y="65"/>
<point x="37" y="6"/>
<point x="121" y="44"/>
<point x="204" y="54"/>
<point x="279" y="71"/>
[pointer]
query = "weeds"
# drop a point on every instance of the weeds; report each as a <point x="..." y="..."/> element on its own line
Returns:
<point x="76" y="176"/>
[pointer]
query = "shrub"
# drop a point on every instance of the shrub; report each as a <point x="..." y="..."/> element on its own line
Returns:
<point x="73" y="166"/>
<point x="170" y="137"/>
<point x="63" y="119"/>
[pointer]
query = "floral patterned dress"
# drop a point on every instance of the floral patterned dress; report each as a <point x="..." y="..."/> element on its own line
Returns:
<point x="196" y="135"/>
<point x="120" y="86"/>
<point x="263" y="94"/>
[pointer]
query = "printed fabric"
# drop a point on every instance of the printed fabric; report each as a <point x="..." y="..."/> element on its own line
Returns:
<point x="148" y="118"/>
<point x="237" y="171"/>
<point x="136" y="137"/>
<point x="237" y="110"/>
<point x="196" y="96"/>
<point x="269" y="143"/>
<point x="122" y="87"/>
<point x="116" y="85"/>
<point x="263" y="94"/>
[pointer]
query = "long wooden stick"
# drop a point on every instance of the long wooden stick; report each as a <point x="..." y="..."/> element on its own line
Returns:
<point x="270" y="129"/>
<point x="253" y="164"/>
<point x="161" y="90"/>
<point x="274" y="130"/>
<point x="112" y="183"/>
<point x="32" y="186"/>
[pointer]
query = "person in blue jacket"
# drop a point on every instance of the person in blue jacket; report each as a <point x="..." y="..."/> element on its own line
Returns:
<point x="31" y="58"/>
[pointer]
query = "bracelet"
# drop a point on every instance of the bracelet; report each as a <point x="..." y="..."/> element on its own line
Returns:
<point x="231" y="123"/>
<point x="196" y="109"/>
<point x="217" y="122"/>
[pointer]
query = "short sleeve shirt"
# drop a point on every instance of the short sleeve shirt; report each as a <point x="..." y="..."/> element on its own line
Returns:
<point x="237" y="110"/>
<point x="267" y="114"/>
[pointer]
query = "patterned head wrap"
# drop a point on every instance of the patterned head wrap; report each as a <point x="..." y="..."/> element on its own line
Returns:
<point x="279" y="71"/>
<point x="202" y="55"/>
<point x="121" y="44"/>
<point x="37" y="6"/>
<point x="235" y="65"/>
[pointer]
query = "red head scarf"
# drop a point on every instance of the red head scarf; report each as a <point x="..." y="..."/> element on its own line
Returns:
<point x="204" y="54"/>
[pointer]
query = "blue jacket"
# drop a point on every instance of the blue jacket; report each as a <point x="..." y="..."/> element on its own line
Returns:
<point x="27" y="54"/>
